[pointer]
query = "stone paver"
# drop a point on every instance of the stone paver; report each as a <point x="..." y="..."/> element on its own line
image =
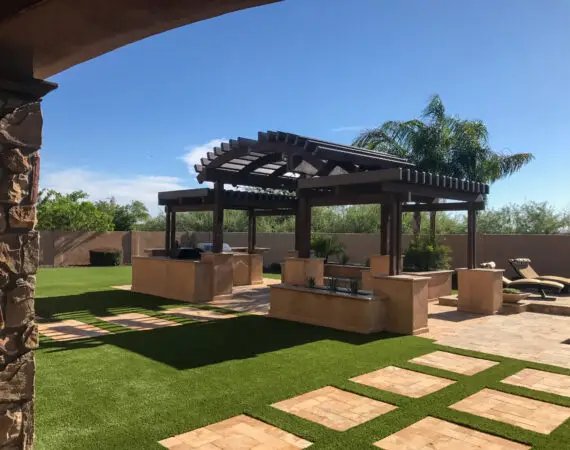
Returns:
<point x="67" y="330"/>
<point x="139" y="322"/>
<point x="431" y="433"/>
<point x="252" y="299"/>
<point x="403" y="381"/>
<point x="200" y="315"/>
<point x="240" y="432"/>
<point x="522" y="412"/>
<point x="125" y="287"/>
<point x="541" y="381"/>
<point x="528" y="336"/>
<point x="464" y="365"/>
<point x="334" y="408"/>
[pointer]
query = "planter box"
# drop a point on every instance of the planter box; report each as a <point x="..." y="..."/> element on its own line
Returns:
<point x="344" y="270"/>
<point x="439" y="284"/>
<point x="339" y="310"/>
<point x="515" y="298"/>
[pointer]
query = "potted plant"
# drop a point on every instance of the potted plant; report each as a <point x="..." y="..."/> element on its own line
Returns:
<point x="511" y="295"/>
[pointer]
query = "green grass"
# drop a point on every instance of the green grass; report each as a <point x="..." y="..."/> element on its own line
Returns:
<point x="130" y="389"/>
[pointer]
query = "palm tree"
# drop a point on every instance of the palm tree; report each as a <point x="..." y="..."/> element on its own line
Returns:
<point x="443" y="144"/>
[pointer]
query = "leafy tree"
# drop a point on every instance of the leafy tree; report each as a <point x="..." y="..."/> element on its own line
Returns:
<point x="444" y="144"/>
<point x="526" y="218"/>
<point x="125" y="217"/>
<point x="70" y="212"/>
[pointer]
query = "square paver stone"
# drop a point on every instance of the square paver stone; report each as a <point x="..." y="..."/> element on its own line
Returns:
<point x="67" y="330"/>
<point x="334" y="408"/>
<point x="522" y="412"/>
<point x="403" y="381"/>
<point x="240" y="432"/>
<point x="464" y="365"/>
<point x="124" y="287"/>
<point x="541" y="381"/>
<point x="200" y="315"/>
<point x="139" y="322"/>
<point x="431" y="433"/>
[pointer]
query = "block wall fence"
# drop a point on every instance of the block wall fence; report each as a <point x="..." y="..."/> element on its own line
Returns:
<point x="550" y="254"/>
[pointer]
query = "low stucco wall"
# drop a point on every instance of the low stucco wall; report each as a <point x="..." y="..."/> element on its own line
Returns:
<point x="187" y="281"/>
<point x="439" y="284"/>
<point x="357" y="313"/>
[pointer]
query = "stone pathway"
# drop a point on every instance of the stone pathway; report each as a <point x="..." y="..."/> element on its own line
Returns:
<point x="431" y="433"/>
<point x="522" y="412"/>
<point x="464" y="365"/>
<point x="334" y="408"/>
<point x="538" y="380"/>
<point x="403" y="381"/>
<point x="528" y="336"/>
<point x="240" y="432"/>
<point x="199" y="315"/>
<point x="248" y="299"/>
<point x="68" y="330"/>
<point x="139" y="322"/>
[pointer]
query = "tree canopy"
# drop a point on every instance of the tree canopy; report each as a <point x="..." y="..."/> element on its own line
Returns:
<point x="448" y="145"/>
<point x="74" y="212"/>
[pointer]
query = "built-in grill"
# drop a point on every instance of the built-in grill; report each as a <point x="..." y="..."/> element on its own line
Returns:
<point x="191" y="254"/>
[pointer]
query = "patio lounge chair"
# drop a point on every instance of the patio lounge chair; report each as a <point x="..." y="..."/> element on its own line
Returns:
<point x="523" y="268"/>
<point x="528" y="284"/>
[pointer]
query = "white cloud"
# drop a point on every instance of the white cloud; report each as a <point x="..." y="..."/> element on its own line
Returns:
<point x="194" y="153"/>
<point x="101" y="186"/>
<point x="349" y="128"/>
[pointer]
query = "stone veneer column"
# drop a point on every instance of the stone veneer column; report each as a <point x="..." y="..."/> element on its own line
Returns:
<point x="20" y="140"/>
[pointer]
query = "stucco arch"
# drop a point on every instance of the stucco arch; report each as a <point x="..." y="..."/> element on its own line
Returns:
<point x="43" y="37"/>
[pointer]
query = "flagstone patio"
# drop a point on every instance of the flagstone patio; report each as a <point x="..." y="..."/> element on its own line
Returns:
<point x="464" y="365"/>
<point x="431" y="433"/>
<point x="139" y="322"/>
<point x="403" y="381"/>
<point x="522" y="412"/>
<point x="539" y="380"/>
<point x="334" y="408"/>
<point x="199" y="315"/>
<point x="240" y="432"/>
<point x="67" y="330"/>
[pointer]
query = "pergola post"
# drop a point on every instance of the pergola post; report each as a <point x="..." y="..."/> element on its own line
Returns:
<point x="396" y="237"/>
<point x="172" y="230"/>
<point x="384" y="228"/>
<point x="218" y="218"/>
<point x="303" y="227"/>
<point x="471" y="238"/>
<point x="251" y="231"/>
<point x="167" y="230"/>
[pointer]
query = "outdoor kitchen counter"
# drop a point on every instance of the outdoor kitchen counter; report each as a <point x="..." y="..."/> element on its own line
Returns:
<point x="177" y="279"/>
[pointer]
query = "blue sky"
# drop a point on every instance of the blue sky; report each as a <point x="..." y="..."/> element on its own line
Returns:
<point x="127" y="123"/>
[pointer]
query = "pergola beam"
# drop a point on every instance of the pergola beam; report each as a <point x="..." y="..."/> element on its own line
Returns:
<point x="428" y="207"/>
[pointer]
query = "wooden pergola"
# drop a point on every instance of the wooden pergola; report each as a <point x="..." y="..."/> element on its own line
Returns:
<point x="284" y="173"/>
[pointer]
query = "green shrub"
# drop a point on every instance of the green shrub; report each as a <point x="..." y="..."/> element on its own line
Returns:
<point x="105" y="257"/>
<point x="511" y="291"/>
<point x="325" y="246"/>
<point x="423" y="254"/>
<point x="311" y="282"/>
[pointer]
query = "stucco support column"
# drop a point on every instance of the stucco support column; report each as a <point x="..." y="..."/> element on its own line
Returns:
<point x="20" y="140"/>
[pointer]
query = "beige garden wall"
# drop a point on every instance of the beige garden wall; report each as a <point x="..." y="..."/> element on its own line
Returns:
<point x="550" y="254"/>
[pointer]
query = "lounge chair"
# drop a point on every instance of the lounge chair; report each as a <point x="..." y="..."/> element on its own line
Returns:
<point x="523" y="268"/>
<point x="528" y="284"/>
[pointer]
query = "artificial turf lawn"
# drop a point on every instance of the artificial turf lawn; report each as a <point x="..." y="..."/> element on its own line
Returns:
<point x="131" y="389"/>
